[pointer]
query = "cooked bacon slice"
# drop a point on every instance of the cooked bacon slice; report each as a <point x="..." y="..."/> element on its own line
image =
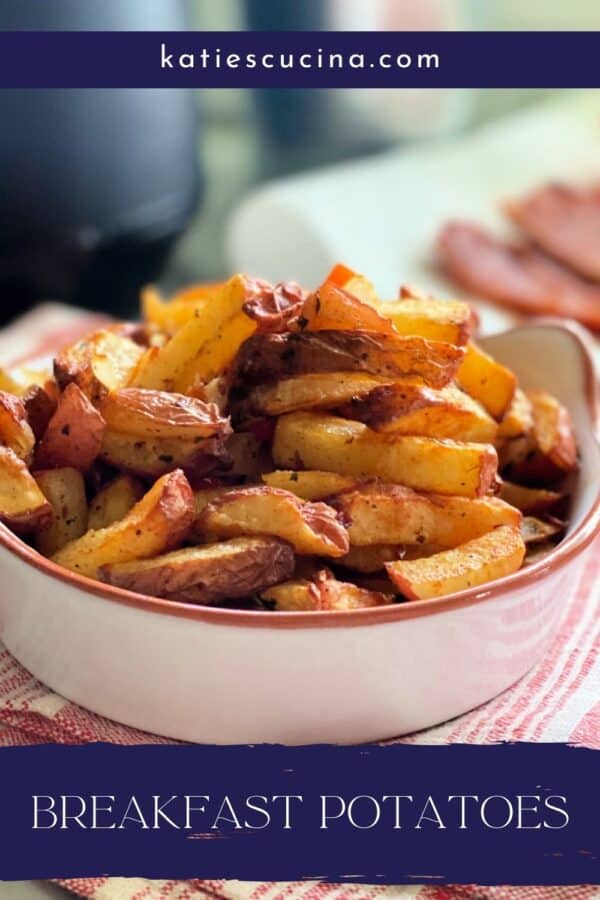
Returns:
<point x="564" y="222"/>
<point x="517" y="276"/>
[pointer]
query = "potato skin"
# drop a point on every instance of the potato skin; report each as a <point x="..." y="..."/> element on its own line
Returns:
<point x="211" y="572"/>
<point x="101" y="362"/>
<point x="23" y="507"/>
<point x="65" y="491"/>
<point x="552" y="448"/>
<point x="15" y="431"/>
<point x="74" y="434"/>
<point x="160" y="414"/>
<point x="40" y="406"/>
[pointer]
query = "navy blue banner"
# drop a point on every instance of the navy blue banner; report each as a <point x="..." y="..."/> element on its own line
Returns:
<point x="505" y="814"/>
<point x="320" y="59"/>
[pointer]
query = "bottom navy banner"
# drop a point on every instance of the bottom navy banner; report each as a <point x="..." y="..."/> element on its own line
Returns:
<point x="504" y="814"/>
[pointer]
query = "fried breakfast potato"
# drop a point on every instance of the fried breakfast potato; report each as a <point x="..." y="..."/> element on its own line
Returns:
<point x="529" y="500"/>
<point x="15" y="431"/>
<point x="553" y="451"/>
<point x="170" y="315"/>
<point x="486" y="558"/>
<point x="113" y="501"/>
<point x="331" y="308"/>
<point x="157" y="523"/>
<point x="65" y="491"/>
<point x="437" y="320"/>
<point x="391" y="514"/>
<point x="372" y="558"/>
<point x="310" y="485"/>
<point x="323" y="593"/>
<point x="40" y="405"/>
<point x="306" y="440"/>
<point x="153" y="458"/>
<point x="487" y="381"/>
<point x="8" y="383"/>
<point x="74" y="435"/>
<point x="267" y="356"/>
<point x="354" y="283"/>
<point x="99" y="363"/>
<point x="518" y="419"/>
<point x="206" y="574"/>
<point x="23" y="506"/>
<point x="311" y="528"/>
<point x="326" y="390"/>
<point x="412" y="408"/>
<point x="539" y="531"/>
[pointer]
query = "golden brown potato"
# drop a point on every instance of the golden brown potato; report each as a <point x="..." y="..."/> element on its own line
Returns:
<point x="159" y="522"/>
<point x="488" y="382"/>
<point x="169" y="316"/>
<point x="518" y="419"/>
<point x="74" y="434"/>
<point x="8" y="383"/>
<point x="326" y="390"/>
<point x="151" y="414"/>
<point x="529" y="500"/>
<point x="391" y="514"/>
<point x="113" y="501"/>
<point x="100" y="362"/>
<point x="412" y="408"/>
<point x="354" y="283"/>
<point x="323" y="593"/>
<point x="15" y="431"/>
<point x="539" y="531"/>
<point x="250" y="456"/>
<point x="268" y="356"/>
<point x="209" y="573"/>
<point x="305" y="440"/>
<point x="311" y="528"/>
<point x="155" y="457"/>
<point x="23" y="506"/>
<point x="483" y="559"/>
<point x="331" y="308"/>
<point x="554" y="451"/>
<point x="65" y="491"/>
<point x="313" y="485"/>
<point x="372" y="558"/>
<point x="40" y="405"/>
<point x="436" y="320"/>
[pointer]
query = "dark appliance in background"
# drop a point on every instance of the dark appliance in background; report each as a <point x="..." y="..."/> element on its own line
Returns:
<point x="95" y="185"/>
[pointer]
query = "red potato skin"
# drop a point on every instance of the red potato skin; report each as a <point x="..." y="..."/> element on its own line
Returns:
<point x="274" y="308"/>
<point x="40" y="406"/>
<point x="74" y="434"/>
<point x="177" y="507"/>
<point x="159" y="411"/>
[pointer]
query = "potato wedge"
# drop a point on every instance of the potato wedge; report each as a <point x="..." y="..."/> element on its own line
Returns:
<point x="158" y="414"/>
<point x="250" y="457"/>
<point x="154" y="457"/>
<point x="23" y="506"/>
<point x="436" y="320"/>
<point x="74" y="435"/>
<point x="203" y="347"/>
<point x="311" y="528"/>
<point x="305" y="440"/>
<point x="313" y="485"/>
<point x="325" y="390"/>
<point x="331" y="308"/>
<point x="113" y="501"/>
<point x="391" y="514"/>
<point x="477" y="562"/>
<point x="529" y="500"/>
<point x="518" y="419"/>
<point x="40" y="405"/>
<point x="370" y="559"/>
<point x="206" y="574"/>
<point x="65" y="491"/>
<point x="159" y="522"/>
<point x="539" y="531"/>
<point x="99" y="363"/>
<point x="487" y="381"/>
<point x="268" y="356"/>
<point x="554" y="450"/>
<point x="323" y="593"/>
<point x="8" y="383"/>
<point x="354" y="283"/>
<point x="410" y="408"/>
<point x="170" y="315"/>
<point x="15" y="431"/>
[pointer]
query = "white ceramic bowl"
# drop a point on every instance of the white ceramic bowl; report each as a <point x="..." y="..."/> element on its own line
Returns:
<point x="225" y="676"/>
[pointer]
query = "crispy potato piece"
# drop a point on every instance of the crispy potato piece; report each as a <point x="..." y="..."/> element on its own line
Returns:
<point x="158" y="414"/>
<point x="529" y="500"/>
<point x="372" y="558"/>
<point x="65" y="491"/>
<point x="410" y="408"/>
<point x="391" y="514"/>
<point x="331" y="308"/>
<point x="159" y="522"/>
<point x="354" y="283"/>
<point x="487" y="381"/>
<point x="74" y="434"/>
<point x="436" y="320"/>
<point x="203" y="347"/>
<point x="8" y="383"/>
<point x="477" y="562"/>
<point x="40" y="405"/>
<point x="318" y="441"/>
<point x="156" y="456"/>
<point x="170" y="316"/>
<point x="250" y="457"/>
<point x="326" y="390"/>
<point x="267" y="356"/>
<point x="22" y="504"/>
<point x="311" y="528"/>
<point x="113" y="501"/>
<point x="15" y="431"/>
<point x="554" y="449"/>
<point x="204" y="496"/>
<point x="297" y="595"/>
<point x="323" y="593"/>
<point x="539" y="531"/>
<point x="312" y="485"/>
<point x="209" y="573"/>
<point x="518" y="419"/>
<point x="98" y="363"/>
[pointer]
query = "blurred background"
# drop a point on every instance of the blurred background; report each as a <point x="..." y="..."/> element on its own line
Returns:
<point x="105" y="190"/>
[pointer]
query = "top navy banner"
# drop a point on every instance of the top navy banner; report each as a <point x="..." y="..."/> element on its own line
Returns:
<point x="299" y="59"/>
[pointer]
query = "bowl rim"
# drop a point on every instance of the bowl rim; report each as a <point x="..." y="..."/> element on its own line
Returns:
<point x="570" y="547"/>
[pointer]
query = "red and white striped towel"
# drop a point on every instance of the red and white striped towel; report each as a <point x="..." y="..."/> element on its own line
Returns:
<point x="559" y="700"/>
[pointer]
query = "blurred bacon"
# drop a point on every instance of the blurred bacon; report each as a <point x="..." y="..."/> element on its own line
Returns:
<point x="515" y="275"/>
<point x="274" y="307"/>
